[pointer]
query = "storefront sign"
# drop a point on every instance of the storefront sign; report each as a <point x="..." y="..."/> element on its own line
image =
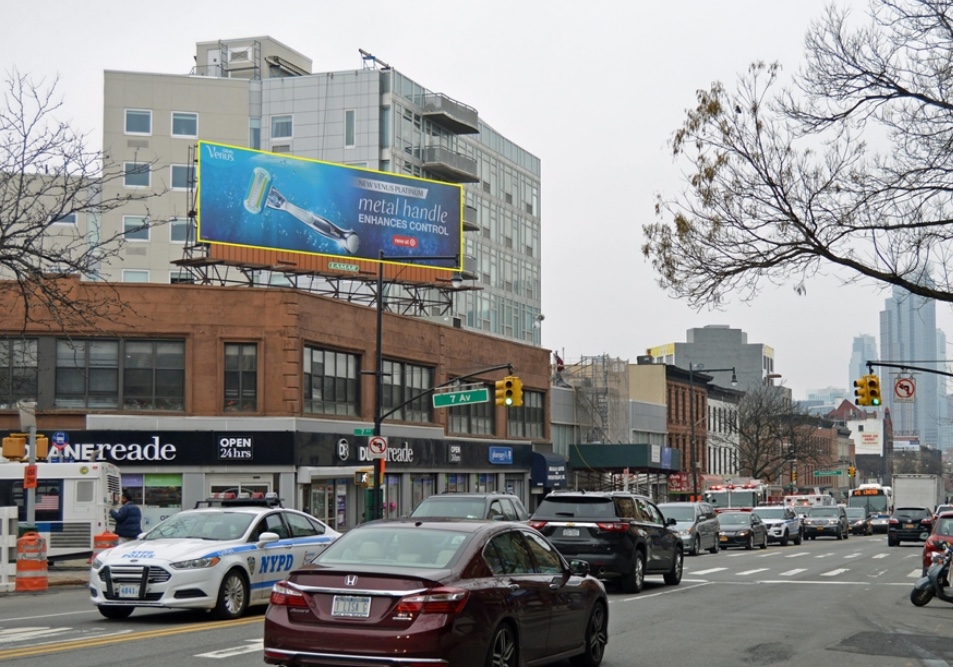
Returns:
<point x="454" y="454"/>
<point x="235" y="448"/>
<point x="501" y="455"/>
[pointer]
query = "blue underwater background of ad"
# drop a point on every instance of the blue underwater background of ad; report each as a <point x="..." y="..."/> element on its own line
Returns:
<point x="226" y="175"/>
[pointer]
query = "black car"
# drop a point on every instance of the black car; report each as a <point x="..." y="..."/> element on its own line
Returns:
<point x="622" y="536"/>
<point x="908" y="523"/>
<point x="493" y="506"/>
<point x="826" y="521"/>
<point x="742" y="529"/>
<point x="859" y="521"/>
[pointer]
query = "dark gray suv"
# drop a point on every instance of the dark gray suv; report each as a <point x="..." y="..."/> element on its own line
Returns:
<point x="622" y="536"/>
<point x="493" y="506"/>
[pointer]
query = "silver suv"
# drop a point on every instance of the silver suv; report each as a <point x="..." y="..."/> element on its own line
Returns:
<point x="696" y="523"/>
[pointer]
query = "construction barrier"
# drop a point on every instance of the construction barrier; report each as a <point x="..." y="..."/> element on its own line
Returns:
<point x="32" y="572"/>
<point x="103" y="541"/>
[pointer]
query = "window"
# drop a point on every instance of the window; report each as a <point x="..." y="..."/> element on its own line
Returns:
<point x="241" y="377"/>
<point x="473" y="418"/>
<point x="403" y="382"/>
<point x="179" y="230"/>
<point x="349" y="120"/>
<point x="185" y="124"/>
<point x="527" y="421"/>
<point x="138" y="121"/>
<point x="331" y="382"/>
<point x="181" y="276"/>
<point x="68" y="219"/>
<point x="87" y="374"/>
<point x="254" y="133"/>
<point x="135" y="227"/>
<point x="183" y="176"/>
<point x="136" y="175"/>
<point x="18" y="371"/>
<point x="153" y="376"/>
<point x="281" y="127"/>
<point x="135" y="276"/>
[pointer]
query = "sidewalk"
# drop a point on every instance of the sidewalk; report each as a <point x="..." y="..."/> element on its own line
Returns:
<point x="69" y="573"/>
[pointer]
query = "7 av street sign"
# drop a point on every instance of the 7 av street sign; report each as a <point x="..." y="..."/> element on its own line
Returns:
<point x="451" y="398"/>
<point x="828" y="473"/>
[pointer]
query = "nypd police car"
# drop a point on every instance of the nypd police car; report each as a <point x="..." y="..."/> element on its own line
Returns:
<point x="223" y="557"/>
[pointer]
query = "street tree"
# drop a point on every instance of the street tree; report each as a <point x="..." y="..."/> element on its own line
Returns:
<point x="773" y="432"/>
<point x="845" y="168"/>
<point x="49" y="181"/>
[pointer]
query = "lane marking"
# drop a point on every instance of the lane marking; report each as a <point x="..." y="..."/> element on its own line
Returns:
<point x="834" y="573"/>
<point x="252" y="646"/>
<point x="747" y="572"/>
<point x="709" y="571"/>
<point x="791" y="573"/>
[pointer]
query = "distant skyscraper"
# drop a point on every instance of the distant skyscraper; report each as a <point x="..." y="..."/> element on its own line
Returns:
<point x="908" y="335"/>
<point x="863" y="350"/>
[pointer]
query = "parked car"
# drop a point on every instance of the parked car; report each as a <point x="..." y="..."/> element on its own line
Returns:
<point x="783" y="523"/>
<point x="859" y="521"/>
<point x="495" y="506"/>
<point x="742" y="529"/>
<point x="696" y="523"/>
<point x="223" y="557"/>
<point x="826" y="521"/>
<point x="941" y="534"/>
<point x="909" y="523"/>
<point x="622" y="536"/>
<point x="465" y="593"/>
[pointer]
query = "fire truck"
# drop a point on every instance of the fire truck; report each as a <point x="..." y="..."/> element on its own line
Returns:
<point x="743" y="495"/>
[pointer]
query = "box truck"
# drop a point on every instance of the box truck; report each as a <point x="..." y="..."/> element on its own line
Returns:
<point x="918" y="490"/>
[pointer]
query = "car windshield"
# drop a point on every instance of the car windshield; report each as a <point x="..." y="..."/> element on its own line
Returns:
<point x="452" y="508"/>
<point x="417" y="548"/>
<point x="202" y="526"/>
<point x="824" y="511"/>
<point x="678" y="512"/>
<point x="575" y="506"/>
<point x="912" y="512"/>
<point x="855" y="513"/>
<point x="733" y="519"/>
<point x="771" y="513"/>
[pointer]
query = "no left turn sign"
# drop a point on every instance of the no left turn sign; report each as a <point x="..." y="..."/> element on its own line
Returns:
<point x="377" y="446"/>
<point x="904" y="390"/>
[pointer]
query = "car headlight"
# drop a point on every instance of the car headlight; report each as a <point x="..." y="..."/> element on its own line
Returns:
<point x="97" y="563"/>
<point x="196" y="563"/>
<point x="743" y="533"/>
<point x="686" y="532"/>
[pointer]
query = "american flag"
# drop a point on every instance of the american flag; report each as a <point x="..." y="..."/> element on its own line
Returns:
<point x="49" y="501"/>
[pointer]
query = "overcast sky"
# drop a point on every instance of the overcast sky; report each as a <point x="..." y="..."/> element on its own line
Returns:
<point x="593" y="89"/>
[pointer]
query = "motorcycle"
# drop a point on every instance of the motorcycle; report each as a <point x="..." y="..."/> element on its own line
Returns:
<point x="936" y="583"/>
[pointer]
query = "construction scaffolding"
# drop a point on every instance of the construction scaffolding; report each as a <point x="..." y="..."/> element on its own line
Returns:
<point x="602" y="399"/>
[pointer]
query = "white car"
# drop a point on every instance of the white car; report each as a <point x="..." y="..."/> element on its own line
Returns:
<point x="222" y="558"/>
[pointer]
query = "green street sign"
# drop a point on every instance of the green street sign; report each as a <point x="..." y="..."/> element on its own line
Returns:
<point x="364" y="431"/>
<point x="451" y="398"/>
<point x="828" y="473"/>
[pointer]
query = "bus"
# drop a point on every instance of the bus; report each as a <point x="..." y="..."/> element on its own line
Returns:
<point x="875" y="499"/>
<point x="71" y="505"/>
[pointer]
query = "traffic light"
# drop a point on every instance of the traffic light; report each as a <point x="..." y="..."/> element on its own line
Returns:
<point x="861" y="391"/>
<point x="794" y="476"/>
<point x="504" y="391"/>
<point x="851" y="471"/>
<point x="873" y="389"/>
<point x="14" y="447"/>
<point x="517" y="391"/>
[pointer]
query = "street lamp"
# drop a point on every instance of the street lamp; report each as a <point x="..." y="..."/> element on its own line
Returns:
<point x="691" y="415"/>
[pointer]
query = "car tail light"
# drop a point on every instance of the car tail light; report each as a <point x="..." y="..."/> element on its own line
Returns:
<point x="538" y="525"/>
<point x="893" y="522"/>
<point x="614" y="527"/>
<point x="438" y="601"/>
<point x="283" y="595"/>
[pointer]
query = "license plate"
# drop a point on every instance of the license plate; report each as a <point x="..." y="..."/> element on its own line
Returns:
<point x="724" y="538"/>
<point x="820" y="527"/>
<point x="351" y="606"/>
<point x="908" y="525"/>
<point x="128" y="590"/>
<point x="570" y="532"/>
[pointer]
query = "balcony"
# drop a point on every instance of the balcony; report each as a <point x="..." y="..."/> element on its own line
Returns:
<point x="470" y="223"/>
<point x="450" y="114"/>
<point x="447" y="165"/>
<point x="471" y="270"/>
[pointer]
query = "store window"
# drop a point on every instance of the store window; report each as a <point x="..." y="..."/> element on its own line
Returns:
<point x="422" y="486"/>
<point x="458" y="482"/>
<point x="18" y="371"/>
<point x="485" y="483"/>
<point x="241" y="377"/>
<point x="407" y="383"/>
<point x="526" y="421"/>
<point x="159" y="496"/>
<point x="331" y="382"/>
<point x="392" y="496"/>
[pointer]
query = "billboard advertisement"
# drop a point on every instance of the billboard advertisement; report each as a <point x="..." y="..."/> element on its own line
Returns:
<point x="277" y="201"/>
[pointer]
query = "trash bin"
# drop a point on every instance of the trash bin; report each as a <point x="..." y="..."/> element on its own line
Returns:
<point x="23" y="528"/>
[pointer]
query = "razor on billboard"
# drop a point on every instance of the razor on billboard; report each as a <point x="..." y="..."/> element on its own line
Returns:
<point x="276" y="201"/>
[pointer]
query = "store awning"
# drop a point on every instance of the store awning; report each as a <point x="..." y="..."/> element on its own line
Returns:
<point x="548" y="471"/>
<point x="618" y="457"/>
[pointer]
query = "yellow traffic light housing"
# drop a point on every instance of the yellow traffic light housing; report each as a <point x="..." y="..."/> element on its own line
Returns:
<point x="851" y="471"/>
<point x="861" y="391"/>
<point x="873" y="389"/>
<point x="517" y="391"/>
<point x="504" y="391"/>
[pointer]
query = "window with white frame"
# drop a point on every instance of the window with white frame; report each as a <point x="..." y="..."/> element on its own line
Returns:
<point x="138" y="121"/>
<point x="281" y="127"/>
<point x="349" y="130"/>
<point x="183" y="175"/>
<point x="135" y="276"/>
<point x="179" y="230"/>
<point x="136" y="175"/>
<point x="135" y="227"/>
<point x="185" y="124"/>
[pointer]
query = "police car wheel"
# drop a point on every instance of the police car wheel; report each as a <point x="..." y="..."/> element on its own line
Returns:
<point x="115" y="612"/>
<point x="232" y="596"/>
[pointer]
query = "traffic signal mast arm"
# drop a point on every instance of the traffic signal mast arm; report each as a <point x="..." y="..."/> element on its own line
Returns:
<point x="904" y="367"/>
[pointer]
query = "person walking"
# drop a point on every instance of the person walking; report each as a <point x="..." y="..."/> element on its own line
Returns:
<point x="128" y="518"/>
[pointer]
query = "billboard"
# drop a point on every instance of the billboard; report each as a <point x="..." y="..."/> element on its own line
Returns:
<point x="277" y="201"/>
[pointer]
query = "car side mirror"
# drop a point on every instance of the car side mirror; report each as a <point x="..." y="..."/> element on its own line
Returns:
<point x="580" y="568"/>
<point x="268" y="538"/>
<point x="670" y="522"/>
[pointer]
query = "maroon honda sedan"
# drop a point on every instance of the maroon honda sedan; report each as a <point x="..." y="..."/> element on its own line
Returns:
<point x="417" y="593"/>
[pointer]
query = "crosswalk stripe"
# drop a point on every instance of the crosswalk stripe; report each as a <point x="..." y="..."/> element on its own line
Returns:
<point x="746" y="572"/>
<point x="791" y="573"/>
<point x="834" y="573"/>
<point x="709" y="571"/>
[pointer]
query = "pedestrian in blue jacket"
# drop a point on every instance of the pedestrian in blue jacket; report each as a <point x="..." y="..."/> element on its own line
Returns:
<point x="128" y="518"/>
